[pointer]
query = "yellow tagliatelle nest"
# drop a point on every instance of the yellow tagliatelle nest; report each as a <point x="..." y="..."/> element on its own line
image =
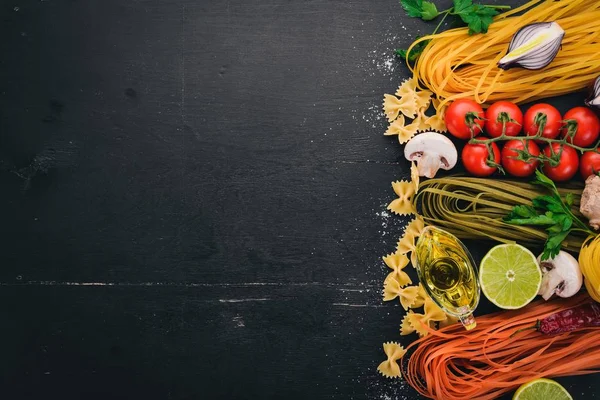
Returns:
<point x="457" y="65"/>
<point x="589" y="262"/>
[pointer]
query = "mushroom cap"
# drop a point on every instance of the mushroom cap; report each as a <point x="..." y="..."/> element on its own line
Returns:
<point x="561" y="275"/>
<point x="435" y="144"/>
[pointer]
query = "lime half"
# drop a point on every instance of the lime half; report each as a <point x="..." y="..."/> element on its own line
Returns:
<point x="510" y="276"/>
<point x="539" y="389"/>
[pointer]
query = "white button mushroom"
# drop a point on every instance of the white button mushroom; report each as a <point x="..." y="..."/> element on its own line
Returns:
<point x="431" y="151"/>
<point x="561" y="275"/>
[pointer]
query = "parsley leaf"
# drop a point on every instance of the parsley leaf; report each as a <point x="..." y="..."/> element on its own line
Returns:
<point x="543" y="219"/>
<point x="541" y="179"/>
<point x="552" y="211"/>
<point x="519" y="212"/>
<point x="477" y="17"/>
<point x="552" y="246"/>
<point x="569" y="198"/>
<point x="414" y="53"/>
<point x="549" y="203"/>
<point x="429" y="11"/>
<point x="413" y="8"/>
<point x="463" y="7"/>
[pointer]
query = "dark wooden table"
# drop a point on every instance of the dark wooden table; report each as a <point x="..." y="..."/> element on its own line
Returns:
<point x="193" y="198"/>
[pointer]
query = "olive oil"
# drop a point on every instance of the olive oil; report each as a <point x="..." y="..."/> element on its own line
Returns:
<point x="447" y="271"/>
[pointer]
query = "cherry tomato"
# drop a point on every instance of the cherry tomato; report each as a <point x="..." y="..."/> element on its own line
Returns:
<point x="516" y="167"/>
<point x="589" y="164"/>
<point x="503" y="113"/>
<point x="568" y="163"/>
<point x="542" y="117"/>
<point x="475" y="157"/>
<point x="464" y="118"/>
<point x="582" y="126"/>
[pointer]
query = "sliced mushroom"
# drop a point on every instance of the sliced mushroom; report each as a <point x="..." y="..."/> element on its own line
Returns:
<point x="560" y="275"/>
<point x="431" y="151"/>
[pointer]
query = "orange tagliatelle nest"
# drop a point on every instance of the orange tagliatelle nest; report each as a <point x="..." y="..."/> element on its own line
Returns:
<point x="495" y="357"/>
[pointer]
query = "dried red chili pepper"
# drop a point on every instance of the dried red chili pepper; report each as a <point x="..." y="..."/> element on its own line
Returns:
<point x="583" y="316"/>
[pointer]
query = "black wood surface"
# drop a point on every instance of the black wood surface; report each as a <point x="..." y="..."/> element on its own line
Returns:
<point x="193" y="198"/>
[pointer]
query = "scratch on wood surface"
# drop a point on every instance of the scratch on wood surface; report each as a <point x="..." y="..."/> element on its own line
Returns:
<point x="183" y="64"/>
<point x="368" y="162"/>
<point x="357" y="305"/>
<point x="342" y="287"/>
<point x="241" y="300"/>
<point x="239" y="321"/>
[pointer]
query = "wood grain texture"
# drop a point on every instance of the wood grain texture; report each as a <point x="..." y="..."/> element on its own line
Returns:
<point x="193" y="198"/>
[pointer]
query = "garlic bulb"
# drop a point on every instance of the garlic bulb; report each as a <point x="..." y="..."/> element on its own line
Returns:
<point x="534" y="46"/>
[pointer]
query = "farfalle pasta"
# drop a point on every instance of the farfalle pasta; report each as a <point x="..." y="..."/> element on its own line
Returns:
<point x="395" y="128"/>
<point x="405" y="327"/>
<point x="420" y="322"/>
<point x="397" y="262"/>
<point x="406" y="245"/>
<point x="421" y="296"/>
<point x="414" y="176"/>
<point x="392" y="290"/>
<point x="412" y="103"/>
<point x="390" y="368"/>
<point x="404" y="132"/>
<point x="403" y="204"/>
<point x="416" y="226"/>
<point x="393" y="106"/>
<point x="420" y="121"/>
<point x="423" y="98"/>
<point x="407" y="88"/>
<point x="436" y="122"/>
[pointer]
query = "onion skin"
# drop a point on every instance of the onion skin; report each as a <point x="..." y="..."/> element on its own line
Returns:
<point x="594" y="99"/>
<point x="539" y="57"/>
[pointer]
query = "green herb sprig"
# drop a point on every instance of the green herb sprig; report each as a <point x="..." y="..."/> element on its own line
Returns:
<point x="476" y="16"/>
<point x="551" y="211"/>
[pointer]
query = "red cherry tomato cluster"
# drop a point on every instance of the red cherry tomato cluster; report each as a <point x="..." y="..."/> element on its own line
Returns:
<point x="580" y="126"/>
